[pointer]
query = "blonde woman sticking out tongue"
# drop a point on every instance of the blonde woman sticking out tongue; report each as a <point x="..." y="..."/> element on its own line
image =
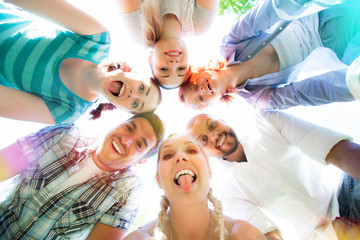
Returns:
<point x="184" y="172"/>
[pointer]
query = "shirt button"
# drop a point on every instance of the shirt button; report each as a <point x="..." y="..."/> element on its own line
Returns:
<point x="280" y="28"/>
<point x="35" y="218"/>
<point x="263" y="43"/>
<point x="249" y="56"/>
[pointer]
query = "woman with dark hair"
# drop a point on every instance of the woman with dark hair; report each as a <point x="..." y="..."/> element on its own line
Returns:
<point x="53" y="75"/>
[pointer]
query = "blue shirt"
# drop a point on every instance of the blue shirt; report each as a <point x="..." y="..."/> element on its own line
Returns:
<point x="283" y="89"/>
<point x="31" y="55"/>
<point x="32" y="211"/>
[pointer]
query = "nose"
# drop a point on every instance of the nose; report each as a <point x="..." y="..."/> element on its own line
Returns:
<point x="202" y="91"/>
<point x="132" y="94"/>
<point x="173" y="62"/>
<point x="181" y="157"/>
<point x="213" y="136"/>
<point x="127" y="140"/>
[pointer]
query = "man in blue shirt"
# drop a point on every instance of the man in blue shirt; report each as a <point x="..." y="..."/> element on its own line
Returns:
<point x="69" y="186"/>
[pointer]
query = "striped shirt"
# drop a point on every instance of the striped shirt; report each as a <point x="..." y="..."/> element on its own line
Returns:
<point x="32" y="51"/>
<point x="31" y="211"/>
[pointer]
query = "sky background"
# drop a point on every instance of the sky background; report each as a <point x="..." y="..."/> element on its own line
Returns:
<point x="342" y="117"/>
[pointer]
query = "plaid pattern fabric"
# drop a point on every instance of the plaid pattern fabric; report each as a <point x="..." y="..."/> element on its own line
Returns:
<point x="54" y="154"/>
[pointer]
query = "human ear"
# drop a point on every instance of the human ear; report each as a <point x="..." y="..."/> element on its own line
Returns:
<point x="151" y="53"/>
<point x="158" y="180"/>
<point x="141" y="161"/>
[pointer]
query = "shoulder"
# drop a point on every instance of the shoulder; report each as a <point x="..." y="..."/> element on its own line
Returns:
<point x="143" y="232"/>
<point x="244" y="230"/>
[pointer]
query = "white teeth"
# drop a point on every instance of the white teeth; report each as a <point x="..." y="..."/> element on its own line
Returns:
<point x="222" y="140"/>
<point x="116" y="147"/>
<point x="173" y="53"/>
<point x="121" y="90"/>
<point x="183" y="172"/>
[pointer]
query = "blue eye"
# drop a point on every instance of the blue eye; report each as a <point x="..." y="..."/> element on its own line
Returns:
<point x="141" y="88"/>
<point x="135" y="104"/>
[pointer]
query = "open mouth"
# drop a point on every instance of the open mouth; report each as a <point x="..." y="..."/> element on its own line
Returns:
<point x="185" y="179"/>
<point x="117" y="88"/>
<point x="116" y="147"/>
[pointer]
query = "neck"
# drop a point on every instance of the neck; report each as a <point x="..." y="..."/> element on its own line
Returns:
<point x="238" y="155"/>
<point x="236" y="74"/>
<point x="194" y="223"/>
<point x="81" y="77"/>
<point x="170" y="27"/>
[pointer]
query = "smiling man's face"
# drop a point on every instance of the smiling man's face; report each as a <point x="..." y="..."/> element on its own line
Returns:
<point x="126" y="145"/>
<point x="216" y="137"/>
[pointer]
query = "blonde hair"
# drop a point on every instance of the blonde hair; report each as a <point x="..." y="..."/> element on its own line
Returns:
<point x="152" y="22"/>
<point x="163" y="218"/>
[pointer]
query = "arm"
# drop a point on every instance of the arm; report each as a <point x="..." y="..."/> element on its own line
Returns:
<point x="143" y="232"/>
<point x="12" y="162"/>
<point x="64" y="14"/>
<point x="23" y="106"/>
<point x="314" y="81"/>
<point x="346" y="156"/>
<point x="319" y="143"/>
<point x="273" y="235"/>
<point x="244" y="230"/>
<point x="289" y="10"/>
<point x="211" y="5"/>
<point x="128" y="6"/>
<point x="103" y="231"/>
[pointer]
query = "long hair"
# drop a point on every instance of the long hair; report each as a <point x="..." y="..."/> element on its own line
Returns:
<point x="152" y="22"/>
<point x="159" y="231"/>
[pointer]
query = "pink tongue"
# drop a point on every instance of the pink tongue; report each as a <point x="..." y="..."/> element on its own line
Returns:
<point x="115" y="88"/>
<point x="185" y="182"/>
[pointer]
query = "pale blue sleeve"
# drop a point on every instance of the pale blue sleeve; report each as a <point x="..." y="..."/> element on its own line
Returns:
<point x="313" y="91"/>
<point x="291" y="9"/>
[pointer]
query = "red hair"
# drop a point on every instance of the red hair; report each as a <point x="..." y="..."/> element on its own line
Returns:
<point x="194" y="73"/>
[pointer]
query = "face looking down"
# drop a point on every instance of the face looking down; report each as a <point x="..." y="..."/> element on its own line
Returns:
<point x="215" y="136"/>
<point x="131" y="91"/>
<point x="126" y="144"/>
<point x="183" y="168"/>
<point x="169" y="62"/>
<point x="202" y="92"/>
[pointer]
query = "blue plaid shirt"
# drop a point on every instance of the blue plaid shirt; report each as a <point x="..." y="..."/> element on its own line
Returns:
<point x="31" y="211"/>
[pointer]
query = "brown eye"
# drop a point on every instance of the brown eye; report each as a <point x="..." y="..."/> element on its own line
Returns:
<point x="192" y="151"/>
<point x="212" y="126"/>
<point x="167" y="156"/>
<point x="204" y="140"/>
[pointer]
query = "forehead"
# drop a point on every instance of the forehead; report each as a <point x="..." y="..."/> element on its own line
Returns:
<point x="141" y="127"/>
<point x="182" y="140"/>
<point x="152" y="99"/>
<point x="198" y="124"/>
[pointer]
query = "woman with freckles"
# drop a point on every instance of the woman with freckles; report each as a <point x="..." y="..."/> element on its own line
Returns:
<point x="183" y="173"/>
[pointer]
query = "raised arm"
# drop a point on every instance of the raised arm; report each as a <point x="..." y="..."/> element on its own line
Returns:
<point x="23" y="106"/>
<point x="63" y="13"/>
<point x="12" y="162"/>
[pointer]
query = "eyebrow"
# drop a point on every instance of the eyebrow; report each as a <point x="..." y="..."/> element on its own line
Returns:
<point x="185" y="143"/>
<point x="145" y="142"/>
<point x="147" y="93"/>
<point x="142" y="105"/>
<point x="206" y="124"/>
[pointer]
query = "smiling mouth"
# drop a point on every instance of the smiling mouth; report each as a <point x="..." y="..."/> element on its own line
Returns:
<point x="209" y="86"/>
<point x="221" y="141"/>
<point x="173" y="53"/>
<point x="117" y="88"/>
<point x="116" y="147"/>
